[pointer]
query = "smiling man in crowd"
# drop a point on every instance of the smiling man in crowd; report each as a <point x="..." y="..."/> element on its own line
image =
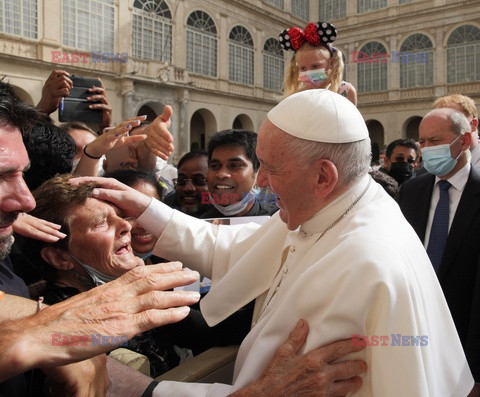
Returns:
<point x="232" y="174"/>
<point x="191" y="187"/>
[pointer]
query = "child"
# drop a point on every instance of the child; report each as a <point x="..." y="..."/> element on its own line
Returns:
<point x="316" y="63"/>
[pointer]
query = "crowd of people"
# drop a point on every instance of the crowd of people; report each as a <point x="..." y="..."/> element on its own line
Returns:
<point x="357" y="280"/>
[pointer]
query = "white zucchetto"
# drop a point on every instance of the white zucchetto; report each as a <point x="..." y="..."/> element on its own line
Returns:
<point x="319" y="115"/>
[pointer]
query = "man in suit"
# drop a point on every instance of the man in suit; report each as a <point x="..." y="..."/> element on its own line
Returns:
<point x="467" y="106"/>
<point x="444" y="137"/>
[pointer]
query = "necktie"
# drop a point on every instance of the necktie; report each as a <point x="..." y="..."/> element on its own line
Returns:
<point x="439" y="231"/>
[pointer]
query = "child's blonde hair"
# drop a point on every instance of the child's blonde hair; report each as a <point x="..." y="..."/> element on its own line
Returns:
<point x="291" y="84"/>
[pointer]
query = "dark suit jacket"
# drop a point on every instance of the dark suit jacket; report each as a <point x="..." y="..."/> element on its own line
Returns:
<point x="458" y="272"/>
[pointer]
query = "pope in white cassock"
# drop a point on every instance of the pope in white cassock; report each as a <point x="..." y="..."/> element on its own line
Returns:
<point x="326" y="257"/>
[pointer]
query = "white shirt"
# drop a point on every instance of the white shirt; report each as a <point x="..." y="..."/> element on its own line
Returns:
<point x="458" y="182"/>
<point x="351" y="280"/>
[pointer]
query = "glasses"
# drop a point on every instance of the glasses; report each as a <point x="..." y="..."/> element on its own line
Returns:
<point x="196" y="181"/>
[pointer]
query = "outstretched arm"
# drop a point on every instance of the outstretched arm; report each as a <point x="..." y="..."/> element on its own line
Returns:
<point x="113" y="137"/>
<point x="135" y="302"/>
<point x="159" y="140"/>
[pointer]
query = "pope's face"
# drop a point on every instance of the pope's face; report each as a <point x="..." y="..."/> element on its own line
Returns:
<point x="100" y="238"/>
<point x="279" y="169"/>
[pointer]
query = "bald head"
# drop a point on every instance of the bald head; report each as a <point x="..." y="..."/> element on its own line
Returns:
<point x="454" y="119"/>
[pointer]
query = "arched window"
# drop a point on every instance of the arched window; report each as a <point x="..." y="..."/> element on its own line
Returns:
<point x="372" y="72"/>
<point x="88" y="24"/>
<point x="19" y="18"/>
<point x="240" y="53"/>
<point x="301" y="9"/>
<point x="201" y="44"/>
<point x="370" y="5"/>
<point x="416" y="61"/>
<point x="152" y="30"/>
<point x="463" y="55"/>
<point x="329" y="10"/>
<point x="272" y="65"/>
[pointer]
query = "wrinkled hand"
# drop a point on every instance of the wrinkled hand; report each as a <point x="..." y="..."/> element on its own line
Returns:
<point x="159" y="140"/>
<point x="57" y="86"/>
<point x="38" y="229"/>
<point x="132" y="202"/>
<point x="98" y="94"/>
<point x="139" y="300"/>
<point x="312" y="374"/>
<point x="85" y="378"/>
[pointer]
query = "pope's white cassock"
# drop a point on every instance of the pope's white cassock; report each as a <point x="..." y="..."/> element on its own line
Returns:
<point x="355" y="267"/>
<point x="367" y="274"/>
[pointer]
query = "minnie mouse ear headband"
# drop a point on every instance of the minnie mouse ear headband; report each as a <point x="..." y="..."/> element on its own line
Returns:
<point x="315" y="34"/>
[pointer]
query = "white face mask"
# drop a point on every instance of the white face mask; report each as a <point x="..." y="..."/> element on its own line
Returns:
<point x="97" y="277"/>
<point x="237" y="208"/>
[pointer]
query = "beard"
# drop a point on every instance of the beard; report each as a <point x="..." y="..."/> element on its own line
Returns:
<point x="6" y="241"/>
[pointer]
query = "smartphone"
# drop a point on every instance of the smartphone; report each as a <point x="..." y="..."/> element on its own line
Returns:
<point x="75" y="107"/>
<point x="81" y="86"/>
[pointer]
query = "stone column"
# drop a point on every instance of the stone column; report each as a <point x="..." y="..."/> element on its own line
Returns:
<point x="183" y="144"/>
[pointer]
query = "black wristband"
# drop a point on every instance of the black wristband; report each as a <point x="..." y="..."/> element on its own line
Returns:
<point x="149" y="390"/>
<point x="89" y="156"/>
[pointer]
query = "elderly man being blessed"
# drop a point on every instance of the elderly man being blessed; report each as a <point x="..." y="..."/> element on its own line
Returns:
<point x="320" y="258"/>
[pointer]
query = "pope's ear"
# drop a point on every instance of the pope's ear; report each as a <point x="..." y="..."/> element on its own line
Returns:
<point x="57" y="258"/>
<point x="326" y="177"/>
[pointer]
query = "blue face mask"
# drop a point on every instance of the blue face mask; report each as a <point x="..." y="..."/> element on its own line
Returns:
<point x="437" y="159"/>
<point x="313" y="77"/>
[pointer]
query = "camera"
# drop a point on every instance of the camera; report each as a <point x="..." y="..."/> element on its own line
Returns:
<point x="75" y="107"/>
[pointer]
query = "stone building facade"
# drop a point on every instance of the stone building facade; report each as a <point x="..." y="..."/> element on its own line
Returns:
<point x="218" y="63"/>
